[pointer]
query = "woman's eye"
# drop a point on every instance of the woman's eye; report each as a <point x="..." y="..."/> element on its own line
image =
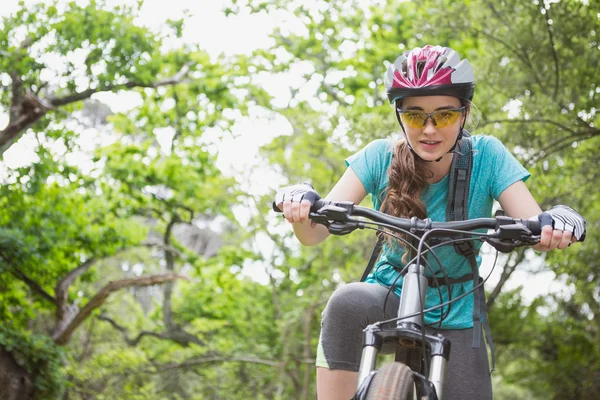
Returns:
<point x="417" y="115"/>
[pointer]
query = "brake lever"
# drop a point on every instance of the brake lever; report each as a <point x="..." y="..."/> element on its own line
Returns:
<point x="336" y="219"/>
<point x="343" y="228"/>
<point x="508" y="237"/>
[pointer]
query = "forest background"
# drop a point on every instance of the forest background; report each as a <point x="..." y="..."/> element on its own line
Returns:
<point x="139" y="258"/>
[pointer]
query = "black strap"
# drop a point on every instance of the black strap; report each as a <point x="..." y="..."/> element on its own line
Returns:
<point x="458" y="191"/>
<point x="458" y="210"/>
<point x="374" y="256"/>
<point x="440" y="281"/>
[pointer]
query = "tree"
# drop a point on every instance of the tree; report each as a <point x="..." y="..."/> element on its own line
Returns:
<point x="64" y="228"/>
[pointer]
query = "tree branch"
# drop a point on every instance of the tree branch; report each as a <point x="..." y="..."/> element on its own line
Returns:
<point x="178" y="336"/>
<point x="33" y="285"/>
<point x="173" y="80"/>
<point x="554" y="54"/>
<point x="62" y="287"/>
<point x="17" y="96"/>
<point x="27" y="109"/>
<point x="519" y="52"/>
<point x="529" y="121"/>
<point x="125" y="332"/>
<point x="170" y="264"/>
<point x="65" y="328"/>
<point x="498" y="14"/>
<point x="218" y="359"/>
<point x="162" y="246"/>
<point x="560" y="144"/>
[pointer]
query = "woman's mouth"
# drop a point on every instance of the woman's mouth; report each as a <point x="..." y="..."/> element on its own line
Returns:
<point x="430" y="144"/>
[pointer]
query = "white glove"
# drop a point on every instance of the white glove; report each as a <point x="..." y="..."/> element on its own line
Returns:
<point x="296" y="193"/>
<point x="564" y="218"/>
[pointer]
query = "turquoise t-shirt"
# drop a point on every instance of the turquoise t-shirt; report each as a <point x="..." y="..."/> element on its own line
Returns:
<point x="494" y="170"/>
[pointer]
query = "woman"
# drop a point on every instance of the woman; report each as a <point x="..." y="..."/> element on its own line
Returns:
<point x="431" y="89"/>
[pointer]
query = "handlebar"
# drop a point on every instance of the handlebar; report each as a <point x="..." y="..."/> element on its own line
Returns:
<point x="509" y="232"/>
<point x="414" y="224"/>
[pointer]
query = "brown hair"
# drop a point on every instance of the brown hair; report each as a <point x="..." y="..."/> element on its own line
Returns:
<point x="408" y="179"/>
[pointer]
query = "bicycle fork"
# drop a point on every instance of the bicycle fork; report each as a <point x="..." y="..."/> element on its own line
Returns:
<point x="407" y="333"/>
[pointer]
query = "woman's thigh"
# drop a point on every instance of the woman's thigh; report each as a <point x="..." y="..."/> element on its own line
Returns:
<point x="350" y="309"/>
<point x="468" y="371"/>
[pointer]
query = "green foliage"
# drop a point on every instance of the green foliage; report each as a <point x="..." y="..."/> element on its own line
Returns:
<point x="42" y="359"/>
<point x="85" y="227"/>
<point x="222" y="334"/>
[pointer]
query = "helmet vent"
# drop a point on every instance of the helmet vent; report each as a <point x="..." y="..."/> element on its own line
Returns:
<point x="404" y="68"/>
<point x="420" y="67"/>
<point x="441" y="61"/>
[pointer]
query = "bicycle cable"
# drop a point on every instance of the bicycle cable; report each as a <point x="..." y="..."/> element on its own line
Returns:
<point x="434" y="275"/>
<point x="402" y="271"/>
<point x="439" y="305"/>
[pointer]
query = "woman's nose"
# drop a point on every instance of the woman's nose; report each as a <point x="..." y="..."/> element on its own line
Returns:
<point x="429" y="126"/>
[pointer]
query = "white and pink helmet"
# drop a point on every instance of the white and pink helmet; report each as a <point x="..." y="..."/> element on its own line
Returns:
<point x="430" y="71"/>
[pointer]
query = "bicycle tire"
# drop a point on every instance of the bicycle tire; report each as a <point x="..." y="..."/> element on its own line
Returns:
<point x="392" y="382"/>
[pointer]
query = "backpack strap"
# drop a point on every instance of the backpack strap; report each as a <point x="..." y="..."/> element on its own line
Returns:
<point x="374" y="256"/>
<point x="458" y="210"/>
<point x="458" y="192"/>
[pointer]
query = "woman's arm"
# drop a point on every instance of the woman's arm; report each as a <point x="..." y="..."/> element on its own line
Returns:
<point x="348" y="188"/>
<point x="518" y="202"/>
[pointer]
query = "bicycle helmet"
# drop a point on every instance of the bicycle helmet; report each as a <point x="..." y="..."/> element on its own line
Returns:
<point x="430" y="71"/>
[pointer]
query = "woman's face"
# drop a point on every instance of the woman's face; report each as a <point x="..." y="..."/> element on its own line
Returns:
<point x="431" y="140"/>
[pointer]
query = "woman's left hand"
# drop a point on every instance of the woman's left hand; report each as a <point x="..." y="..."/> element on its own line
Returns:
<point x="554" y="239"/>
<point x="561" y="226"/>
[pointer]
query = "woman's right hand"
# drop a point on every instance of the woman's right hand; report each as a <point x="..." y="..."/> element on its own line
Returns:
<point x="295" y="201"/>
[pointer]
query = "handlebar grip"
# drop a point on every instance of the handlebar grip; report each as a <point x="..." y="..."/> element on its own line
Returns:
<point x="317" y="205"/>
<point x="275" y="208"/>
<point x="534" y="226"/>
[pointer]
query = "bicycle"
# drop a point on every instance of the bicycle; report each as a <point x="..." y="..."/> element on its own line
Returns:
<point x="397" y="381"/>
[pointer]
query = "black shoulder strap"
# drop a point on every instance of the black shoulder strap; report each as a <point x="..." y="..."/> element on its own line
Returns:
<point x="374" y="256"/>
<point x="458" y="210"/>
<point x="458" y="192"/>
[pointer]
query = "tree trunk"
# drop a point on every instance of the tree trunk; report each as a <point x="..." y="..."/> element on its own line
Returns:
<point x="15" y="382"/>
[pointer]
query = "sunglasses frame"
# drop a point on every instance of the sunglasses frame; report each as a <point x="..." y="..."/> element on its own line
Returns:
<point x="429" y="115"/>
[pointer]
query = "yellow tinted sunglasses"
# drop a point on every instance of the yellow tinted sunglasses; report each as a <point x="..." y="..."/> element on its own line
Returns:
<point x="440" y="118"/>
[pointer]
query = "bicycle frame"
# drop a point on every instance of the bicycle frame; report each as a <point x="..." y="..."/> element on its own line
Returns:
<point x="408" y="334"/>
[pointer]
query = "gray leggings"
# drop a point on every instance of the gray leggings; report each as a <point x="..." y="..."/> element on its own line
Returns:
<point x="354" y="306"/>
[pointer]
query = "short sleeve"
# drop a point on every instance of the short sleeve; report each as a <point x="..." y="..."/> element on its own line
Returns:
<point x="371" y="163"/>
<point x="506" y="169"/>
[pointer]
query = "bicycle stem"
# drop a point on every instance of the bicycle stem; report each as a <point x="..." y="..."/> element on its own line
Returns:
<point x="413" y="294"/>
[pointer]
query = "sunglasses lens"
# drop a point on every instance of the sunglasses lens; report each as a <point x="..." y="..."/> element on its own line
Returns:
<point x="444" y="118"/>
<point x="414" y="119"/>
<point x="440" y="118"/>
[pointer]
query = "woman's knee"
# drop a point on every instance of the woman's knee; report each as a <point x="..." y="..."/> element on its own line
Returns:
<point x="357" y="300"/>
<point x="352" y="298"/>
